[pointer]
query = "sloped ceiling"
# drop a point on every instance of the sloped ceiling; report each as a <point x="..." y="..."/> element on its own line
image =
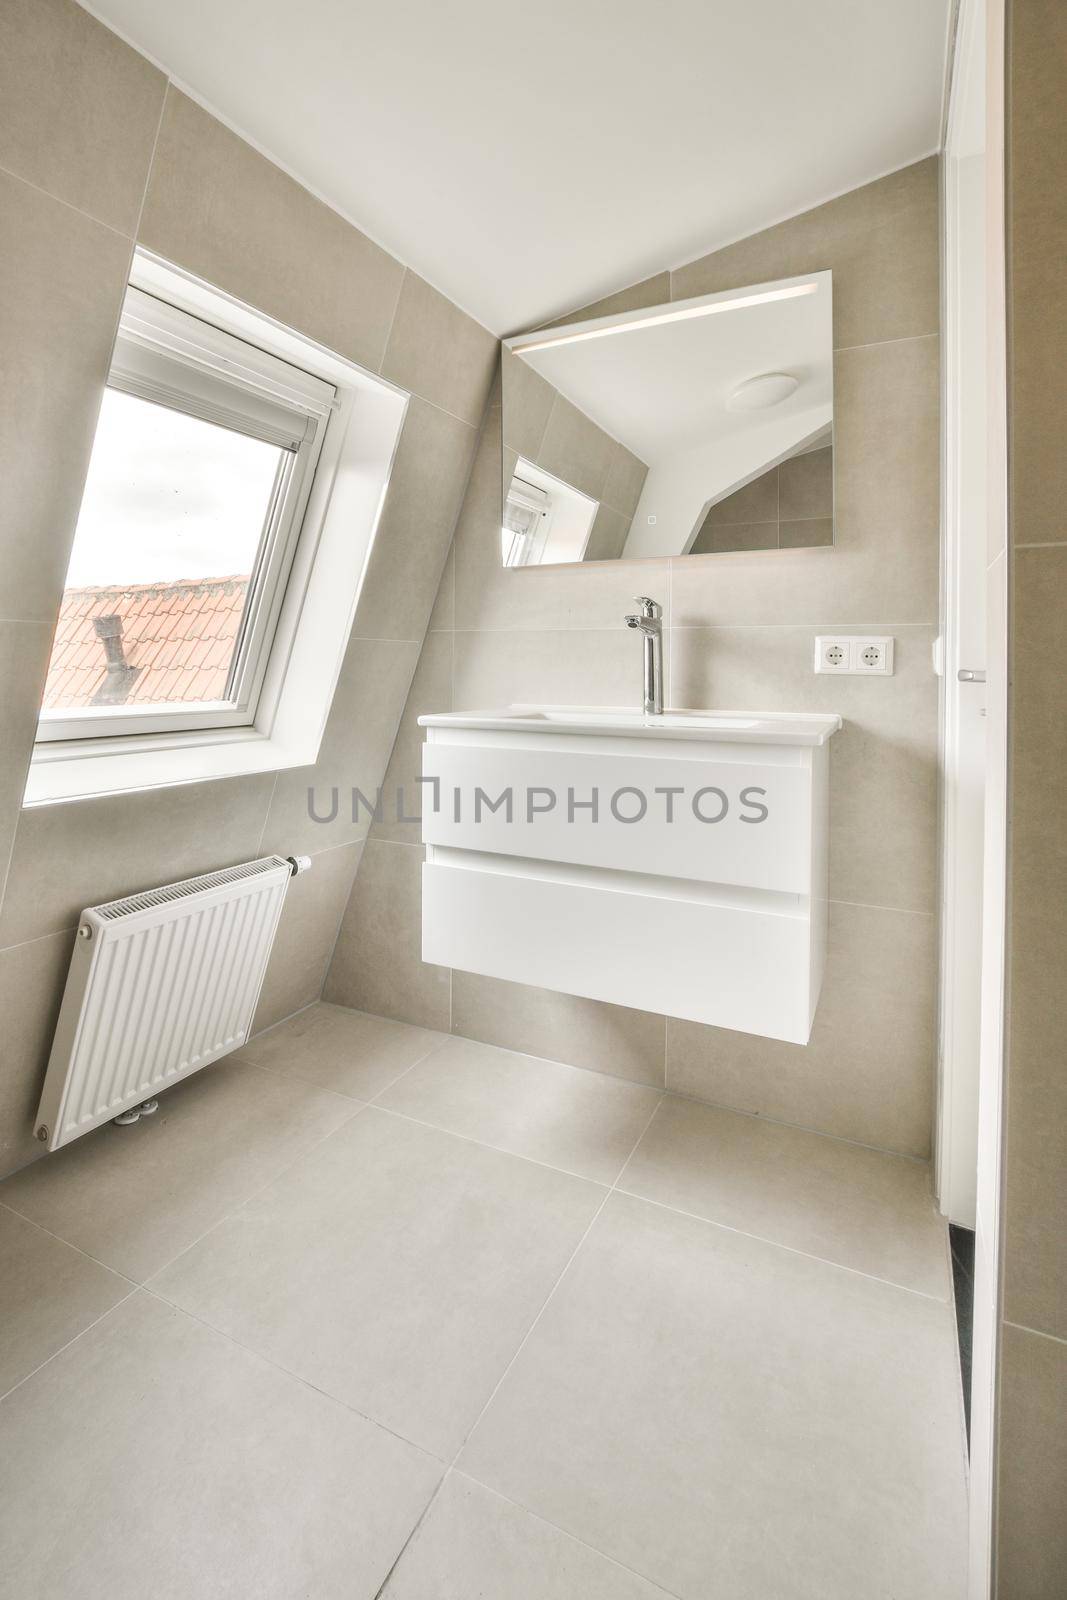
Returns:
<point x="529" y="156"/>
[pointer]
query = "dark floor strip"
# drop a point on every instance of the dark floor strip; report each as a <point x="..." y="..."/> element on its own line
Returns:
<point x="962" y="1242"/>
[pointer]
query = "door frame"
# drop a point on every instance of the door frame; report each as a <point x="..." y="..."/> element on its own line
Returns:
<point x="981" y="23"/>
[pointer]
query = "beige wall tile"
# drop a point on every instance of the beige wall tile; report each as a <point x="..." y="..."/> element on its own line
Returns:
<point x="568" y="667"/>
<point x="575" y="449"/>
<point x="443" y="615"/>
<point x="24" y="652"/>
<point x="431" y="690"/>
<point x="809" y="531"/>
<point x="714" y="538"/>
<point x="62" y="279"/>
<point x="880" y="242"/>
<point x="1032" y="1478"/>
<point x="886" y="282"/>
<point x="868" y="1072"/>
<point x="61" y="71"/>
<point x="526" y="402"/>
<point x="625" y="480"/>
<point x="608" y="536"/>
<point x="883" y="763"/>
<point x="377" y="965"/>
<point x="755" y="502"/>
<point x="561" y="1027"/>
<point x="1035" y="1209"/>
<point x="367" y="705"/>
<point x="67" y="857"/>
<point x="31" y="987"/>
<point x="1038" y="231"/>
<point x="307" y="933"/>
<point x="217" y="207"/>
<point x="806" y="485"/>
<point x="437" y="351"/>
<point x="426" y="489"/>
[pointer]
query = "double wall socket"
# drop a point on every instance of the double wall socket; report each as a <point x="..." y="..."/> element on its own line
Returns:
<point x="863" y="655"/>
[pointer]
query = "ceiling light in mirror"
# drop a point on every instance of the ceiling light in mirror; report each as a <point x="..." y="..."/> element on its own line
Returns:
<point x="698" y="434"/>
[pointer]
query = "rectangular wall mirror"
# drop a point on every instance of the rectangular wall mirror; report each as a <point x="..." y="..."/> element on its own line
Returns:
<point x="693" y="428"/>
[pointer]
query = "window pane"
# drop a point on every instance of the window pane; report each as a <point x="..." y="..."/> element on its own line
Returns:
<point x="166" y="544"/>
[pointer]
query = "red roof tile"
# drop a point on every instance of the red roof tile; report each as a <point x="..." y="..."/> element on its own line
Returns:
<point x="178" y="639"/>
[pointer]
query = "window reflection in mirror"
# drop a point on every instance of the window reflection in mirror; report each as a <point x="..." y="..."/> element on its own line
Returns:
<point x="699" y="427"/>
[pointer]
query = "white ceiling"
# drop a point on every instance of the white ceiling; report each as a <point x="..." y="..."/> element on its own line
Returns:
<point x="528" y="156"/>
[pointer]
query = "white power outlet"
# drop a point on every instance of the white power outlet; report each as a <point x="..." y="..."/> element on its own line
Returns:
<point x="832" y="655"/>
<point x="855" y="655"/>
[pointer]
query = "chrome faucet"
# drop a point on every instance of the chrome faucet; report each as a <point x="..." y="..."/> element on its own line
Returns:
<point x="649" y="625"/>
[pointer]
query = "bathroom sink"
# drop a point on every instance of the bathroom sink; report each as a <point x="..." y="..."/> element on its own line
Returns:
<point x="780" y="728"/>
<point x="673" y="861"/>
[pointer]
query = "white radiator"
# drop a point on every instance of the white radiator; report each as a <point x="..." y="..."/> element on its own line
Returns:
<point x="160" y="984"/>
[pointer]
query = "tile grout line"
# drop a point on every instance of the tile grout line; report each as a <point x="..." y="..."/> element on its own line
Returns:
<point x="276" y="1366"/>
<point x="776" y="1244"/>
<point x="358" y="1107"/>
<point x="519" y="1349"/>
<point x="661" y="1205"/>
<point x="7" y="1206"/>
<point x="135" y="1289"/>
<point x="799" y="1127"/>
<point x="151" y="162"/>
<point x="68" y="205"/>
<point x="1038" y="1333"/>
<point x="567" y="1534"/>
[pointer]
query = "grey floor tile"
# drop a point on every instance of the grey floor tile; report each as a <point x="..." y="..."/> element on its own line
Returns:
<point x="50" y="1294"/>
<point x="153" y="1457"/>
<point x="347" y="1051"/>
<point x="396" y="1267"/>
<point x="473" y="1543"/>
<point x="861" y="1208"/>
<point x="731" y="1418"/>
<point x="134" y="1197"/>
<point x="582" y="1122"/>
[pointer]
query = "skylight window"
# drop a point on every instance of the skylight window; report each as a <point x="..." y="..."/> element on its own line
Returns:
<point x="200" y="470"/>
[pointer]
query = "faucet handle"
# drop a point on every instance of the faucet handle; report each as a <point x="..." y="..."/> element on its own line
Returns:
<point x="649" y="608"/>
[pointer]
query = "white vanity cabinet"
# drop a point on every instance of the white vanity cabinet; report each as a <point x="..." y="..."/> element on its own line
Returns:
<point x="674" y="863"/>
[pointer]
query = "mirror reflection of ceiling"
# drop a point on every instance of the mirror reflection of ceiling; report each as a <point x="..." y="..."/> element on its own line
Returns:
<point x="709" y="408"/>
<point x="528" y="160"/>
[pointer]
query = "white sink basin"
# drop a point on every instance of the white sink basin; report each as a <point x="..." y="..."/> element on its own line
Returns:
<point x="781" y="728"/>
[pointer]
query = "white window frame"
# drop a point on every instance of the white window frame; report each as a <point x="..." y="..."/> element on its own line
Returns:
<point x="297" y="632"/>
<point x="169" y="357"/>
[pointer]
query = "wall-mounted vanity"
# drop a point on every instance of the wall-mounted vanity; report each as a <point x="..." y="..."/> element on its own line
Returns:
<point x="673" y="863"/>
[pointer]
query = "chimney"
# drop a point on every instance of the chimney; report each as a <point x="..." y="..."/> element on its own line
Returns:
<point x="120" y="675"/>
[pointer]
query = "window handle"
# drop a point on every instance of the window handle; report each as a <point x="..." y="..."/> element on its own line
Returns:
<point x="967" y="675"/>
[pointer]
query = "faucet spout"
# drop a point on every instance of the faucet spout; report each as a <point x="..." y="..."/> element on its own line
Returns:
<point x="648" y="624"/>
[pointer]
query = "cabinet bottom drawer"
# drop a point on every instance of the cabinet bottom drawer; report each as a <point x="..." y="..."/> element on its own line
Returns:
<point x="751" y="969"/>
